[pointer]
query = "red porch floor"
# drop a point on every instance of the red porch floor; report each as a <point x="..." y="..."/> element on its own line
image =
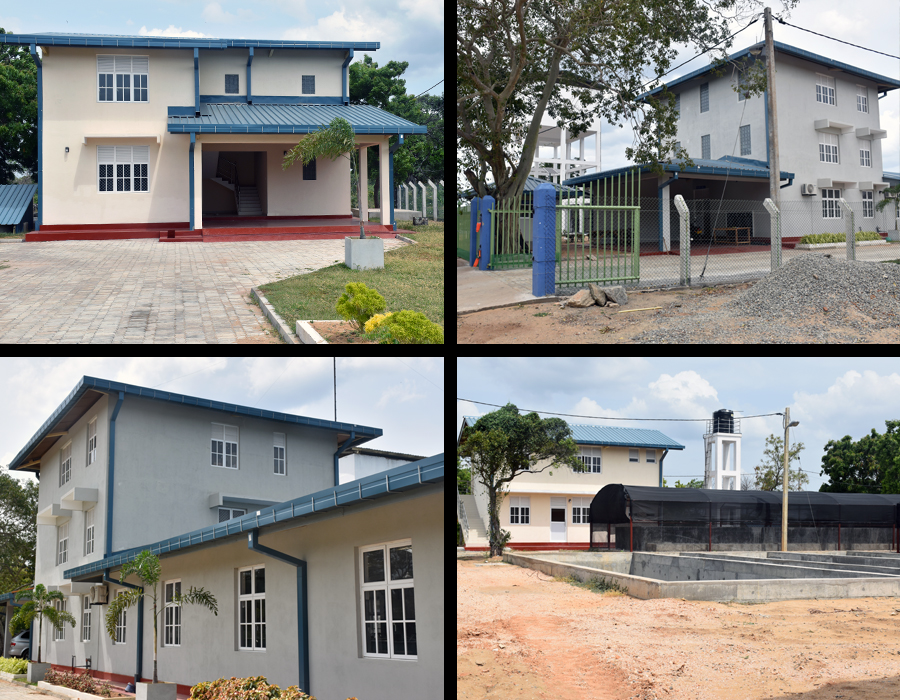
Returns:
<point x="217" y="229"/>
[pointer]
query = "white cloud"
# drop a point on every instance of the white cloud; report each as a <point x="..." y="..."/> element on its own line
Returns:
<point x="213" y="12"/>
<point x="431" y="11"/>
<point x="171" y="30"/>
<point x="343" y="25"/>
<point x="687" y="393"/>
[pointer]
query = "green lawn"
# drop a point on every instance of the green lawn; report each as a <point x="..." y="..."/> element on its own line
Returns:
<point x="412" y="278"/>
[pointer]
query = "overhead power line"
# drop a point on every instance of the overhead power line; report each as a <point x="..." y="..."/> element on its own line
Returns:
<point x="864" y="48"/>
<point x="575" y="415"/>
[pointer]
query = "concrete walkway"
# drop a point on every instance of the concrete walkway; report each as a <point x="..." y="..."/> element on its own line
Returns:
<point x="141" y="291"/>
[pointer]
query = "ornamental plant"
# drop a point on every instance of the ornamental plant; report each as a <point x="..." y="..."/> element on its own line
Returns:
<point x="146" y="566"/>
<point x="14" y="666"/>
<point x="409" y="327"/>
<point x="40" y="603"/>
<point x="252" y="688"/>
<point x="358" y="304"/>
<point x="82" y="682"/>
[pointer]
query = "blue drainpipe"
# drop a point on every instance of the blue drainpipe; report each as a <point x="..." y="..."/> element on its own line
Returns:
<point x="40" y="92"/>
<point x="337" y="455"/>
<point x="302" y="608"/>
<point x="110" y="474"/>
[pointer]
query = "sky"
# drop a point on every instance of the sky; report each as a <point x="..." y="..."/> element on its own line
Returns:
<point x="402" y="396"/>
<point x="830" y="398"/>
<point x="409" y="30"/>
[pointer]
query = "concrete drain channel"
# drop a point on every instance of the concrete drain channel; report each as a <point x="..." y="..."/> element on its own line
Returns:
<point x="747" y="577"/>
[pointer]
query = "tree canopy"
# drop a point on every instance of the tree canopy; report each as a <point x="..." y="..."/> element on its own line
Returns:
<point x="770" y="472"/>
<point x="868" y="465"/>
<point x="18" y="529"/>
<point x="18" y="112"/>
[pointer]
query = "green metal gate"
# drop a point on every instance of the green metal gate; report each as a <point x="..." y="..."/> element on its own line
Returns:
<point x="598" y="239"/>
<point x="463" y="223"/>
<point x="511" y="233"/>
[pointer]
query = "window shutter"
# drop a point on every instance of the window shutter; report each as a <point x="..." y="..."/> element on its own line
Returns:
<point x="139" y="64"/>
<point x="224" y="514"/>
<point x="231" y="433"/>
<point x="308" y="84"/>
<point x="106" y="154"/>
<point x="279" y="439"/>
<point x="105" y="64"/>
<point x="218" y="431"/>
<point x="123" y="64"/>
<point x="141" y="154"/>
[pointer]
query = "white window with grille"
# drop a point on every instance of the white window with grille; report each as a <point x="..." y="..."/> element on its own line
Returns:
<point x="122" y="78"/>
<point x="89" y="531"/>
<point x="86" y="619"/>
<point x="92" y="442"/>
<point x="831" y="208"/>
<point x="592" y="459"/>
<point x="387" y="604"/>
<point x="868" y="202"/>
<point x="172" y="621"/>
<point x="229" y="513"/>
<point x="519" y="510"/>
<point x="123" y="168"/>
<point x="59" y="635"/>
<point x="62" y="539"/>
<point x="824" y="89"/>
<point x="865" y="154"/>
<point x="828" y="148"/>
<point x="224" y="446"/>
<point x="121" y="619"/>
<point x="581" y="510"/>
<point x="278" y="439"/>
<point x="862" y="98"/>
<point x="252" y="608"/>
<point x="65" y="464"/>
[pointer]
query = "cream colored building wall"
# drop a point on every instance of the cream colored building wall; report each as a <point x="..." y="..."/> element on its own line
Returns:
<point x="280" y="74"/>
<point x="72" y="111"/>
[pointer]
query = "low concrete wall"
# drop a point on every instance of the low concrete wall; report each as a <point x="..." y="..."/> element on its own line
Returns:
<point x="619" y="562"/>
<point x="696" y="538"/>
<point x="849" y="561"/>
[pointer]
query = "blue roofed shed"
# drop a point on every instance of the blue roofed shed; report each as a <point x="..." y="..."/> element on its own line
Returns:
<point x="16" y="212"/>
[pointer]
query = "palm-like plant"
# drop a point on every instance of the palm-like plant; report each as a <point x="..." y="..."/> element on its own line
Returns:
<point x="40" y="602"/>
<point x="146" y="566"/>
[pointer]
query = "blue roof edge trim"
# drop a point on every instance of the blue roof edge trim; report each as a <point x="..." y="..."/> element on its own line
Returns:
<point x="167" y="42"/>
<point x="721" y="166"/>
<point x="86" y="382"/>
<point x="406" y="477"/>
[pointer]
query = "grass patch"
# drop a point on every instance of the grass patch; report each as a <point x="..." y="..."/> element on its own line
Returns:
<point x="412" y="278"/>
<point x="597" y="585"/>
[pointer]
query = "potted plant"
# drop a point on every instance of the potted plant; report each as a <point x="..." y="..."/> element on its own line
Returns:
<point x="146" y="567"/>
<point x="336" y="141"/>
<point x="40" y="602"/>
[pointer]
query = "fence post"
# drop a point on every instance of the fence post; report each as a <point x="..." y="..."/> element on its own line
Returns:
<point x="851" y="231"/>
<point x="543" y="241"/>
<point x="685" y="239"/>
<point x="487" y="206"/>
<point x="473" y="238"/>
<point x="774" y="232"/>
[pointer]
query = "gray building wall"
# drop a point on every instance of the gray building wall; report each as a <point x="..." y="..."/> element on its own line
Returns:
<point x="330" y="544"/>
<point x="356" y="466"/>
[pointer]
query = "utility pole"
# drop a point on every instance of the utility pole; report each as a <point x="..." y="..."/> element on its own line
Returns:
<point x="784" y="481"/>
<point x="335" y="390"/>
<point x="774" y="171"/>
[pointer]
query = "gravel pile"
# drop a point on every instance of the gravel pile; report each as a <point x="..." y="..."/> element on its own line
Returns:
<point x="816" y="283"/>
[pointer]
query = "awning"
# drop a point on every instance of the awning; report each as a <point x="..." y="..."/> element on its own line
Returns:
<point x="239" y="118"/>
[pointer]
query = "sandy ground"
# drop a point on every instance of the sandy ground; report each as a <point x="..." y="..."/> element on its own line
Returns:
<point x="525" y="636"/>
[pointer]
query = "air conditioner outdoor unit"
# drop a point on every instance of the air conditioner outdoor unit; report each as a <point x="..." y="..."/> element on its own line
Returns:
<point x="807" y="189"/>
<point x="98" y="594"/>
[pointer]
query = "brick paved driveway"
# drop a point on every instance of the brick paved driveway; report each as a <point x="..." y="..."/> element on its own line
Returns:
<point x="15" y="691"/>
<point x="143" y="291"/>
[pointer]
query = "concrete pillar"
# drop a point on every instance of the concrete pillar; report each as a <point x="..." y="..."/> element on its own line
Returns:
<point x="384" y="173"/>
<point x="543" y="269"/>
<point x="364" y="182"/>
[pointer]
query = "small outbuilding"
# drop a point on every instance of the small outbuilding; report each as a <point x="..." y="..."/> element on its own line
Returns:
<point x="16" y="211"/>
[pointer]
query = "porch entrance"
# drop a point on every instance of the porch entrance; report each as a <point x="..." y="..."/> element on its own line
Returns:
<point x="234" y="183"/>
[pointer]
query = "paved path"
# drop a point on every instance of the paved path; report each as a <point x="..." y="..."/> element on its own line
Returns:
<point x="15" y="691"/>
<point x="143" y="291"/>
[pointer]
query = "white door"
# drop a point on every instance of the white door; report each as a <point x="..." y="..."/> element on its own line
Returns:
<point x="557" y="519"/>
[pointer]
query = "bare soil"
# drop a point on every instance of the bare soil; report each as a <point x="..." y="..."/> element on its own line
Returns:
<point x="341" y="332"/>
<point x="550" y="324"/>
<point x="523" y="635"/>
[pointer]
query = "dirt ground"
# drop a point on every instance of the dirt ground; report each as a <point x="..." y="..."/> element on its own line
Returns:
<point x="548" y="323"/>
<point x="521" y="635"/>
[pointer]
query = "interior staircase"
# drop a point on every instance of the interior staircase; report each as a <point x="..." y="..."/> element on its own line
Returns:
<point x="248" y="202"/>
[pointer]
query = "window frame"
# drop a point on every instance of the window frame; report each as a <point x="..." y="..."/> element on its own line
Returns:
<point x="92" y="439"/>
<point x="224" y="453"/>
<point x="830" y="204"/>
<point x="387" y="585"/>
<point x="522" y="504"/>
<point x="865" y="154"/>
<point x="89" y="525"/>
<point x="173" y="624"/>
<point x="121" y="622"/>
<point x="131" y="74"/>
<point x="136" y="156"/>
<point x="279" y="461"/>
<point x="702" y="86"/>
<point x="862" y="99"/>
<point x="62" y="543"/>
<point x="827" y="142"/>
<point x="251" y="598"/>
<point x="86" y="619"/>
<point x="65" y="464"/>
<point x="825" y="87"/>
<point x="592" y="458"/>
<point x="745" y="129"/>
<point x="59" y="635"/>
<point x="868" y="203"/>
<point x="706" y="152"/>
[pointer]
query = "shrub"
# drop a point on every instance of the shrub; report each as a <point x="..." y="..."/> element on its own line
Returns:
<point x="13" y="665"/>
<point x="252" y="688"/>
<point x="413" y="327"/>
<point x="840" y="237"/>
<point x="375" y="321"/>
<point x="82" y="682"/>
<point x="359" y="303"/>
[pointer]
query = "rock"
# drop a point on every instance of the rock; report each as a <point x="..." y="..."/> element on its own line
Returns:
<point x="581" y="299"/>
<point x="616" y="294"/>
<point x="598" y="294"/>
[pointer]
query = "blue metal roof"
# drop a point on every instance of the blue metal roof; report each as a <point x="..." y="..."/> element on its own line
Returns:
<point x="14" y="203"/>
<point x="891" y="176"/>
<point x="601" y="435"/>
<point x="239" y="118"/>
<point x="175" y="42"/>
<point x="403" y="478"/>
<point x="726" y="165"/>
<point x="884" y="84"/>
<point x="87" y="383"/>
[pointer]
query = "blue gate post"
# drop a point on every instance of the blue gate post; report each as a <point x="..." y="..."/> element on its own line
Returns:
<point x="487" y="205"/>
<point x="543" y="269"/>
<point x="473" y="243"/>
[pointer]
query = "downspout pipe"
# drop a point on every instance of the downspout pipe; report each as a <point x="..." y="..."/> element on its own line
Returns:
<point x="345" y="96"/>
<point x="40" y="92"/>
<point x="249" y="62"/>
<point x="337" y="455"/>
<point x="111" y="475"/>
<point x="661" y="468"/>
<point x="139" y="652"/>
<point x="302" y="605"/>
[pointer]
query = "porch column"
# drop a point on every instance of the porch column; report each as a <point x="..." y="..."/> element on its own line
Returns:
<point x="364" y="184"/>
<point x="385" y="175"/>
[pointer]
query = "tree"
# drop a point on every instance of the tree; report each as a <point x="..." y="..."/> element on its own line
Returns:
<point x="748" y="483"/>
<point x="334" y="141"/>
<point x="18" y="112"/>
<point x="40" y="603"/>
<point x="515" y="57"/>
<point x="769" y="474"/>
<point x="503" y="444"/>
<point x="18" y="529"/>
<point x="870" y="465"/>
<point x="146" y="566"/>
<point x="692" y="484"/>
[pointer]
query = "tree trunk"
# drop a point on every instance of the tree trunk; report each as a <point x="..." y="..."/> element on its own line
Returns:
<point x="155" y="679"/>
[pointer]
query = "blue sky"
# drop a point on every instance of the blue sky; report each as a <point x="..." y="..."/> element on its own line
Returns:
<point x="409" y="30"/>
<point x="403" y="397"/>
<point x="830" y="398"/>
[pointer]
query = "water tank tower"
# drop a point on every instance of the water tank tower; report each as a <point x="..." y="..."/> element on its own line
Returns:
<point x="722" y="446"/>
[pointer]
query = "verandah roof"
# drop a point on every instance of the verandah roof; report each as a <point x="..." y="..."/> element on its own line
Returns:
<point x="239" y="118"/>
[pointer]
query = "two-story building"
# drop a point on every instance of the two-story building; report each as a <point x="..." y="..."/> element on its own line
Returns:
<point x="138" y="135"/>
<point x="829" y="146"/>
<point x="335" y="587"/>
<point x="544" y="510"/>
